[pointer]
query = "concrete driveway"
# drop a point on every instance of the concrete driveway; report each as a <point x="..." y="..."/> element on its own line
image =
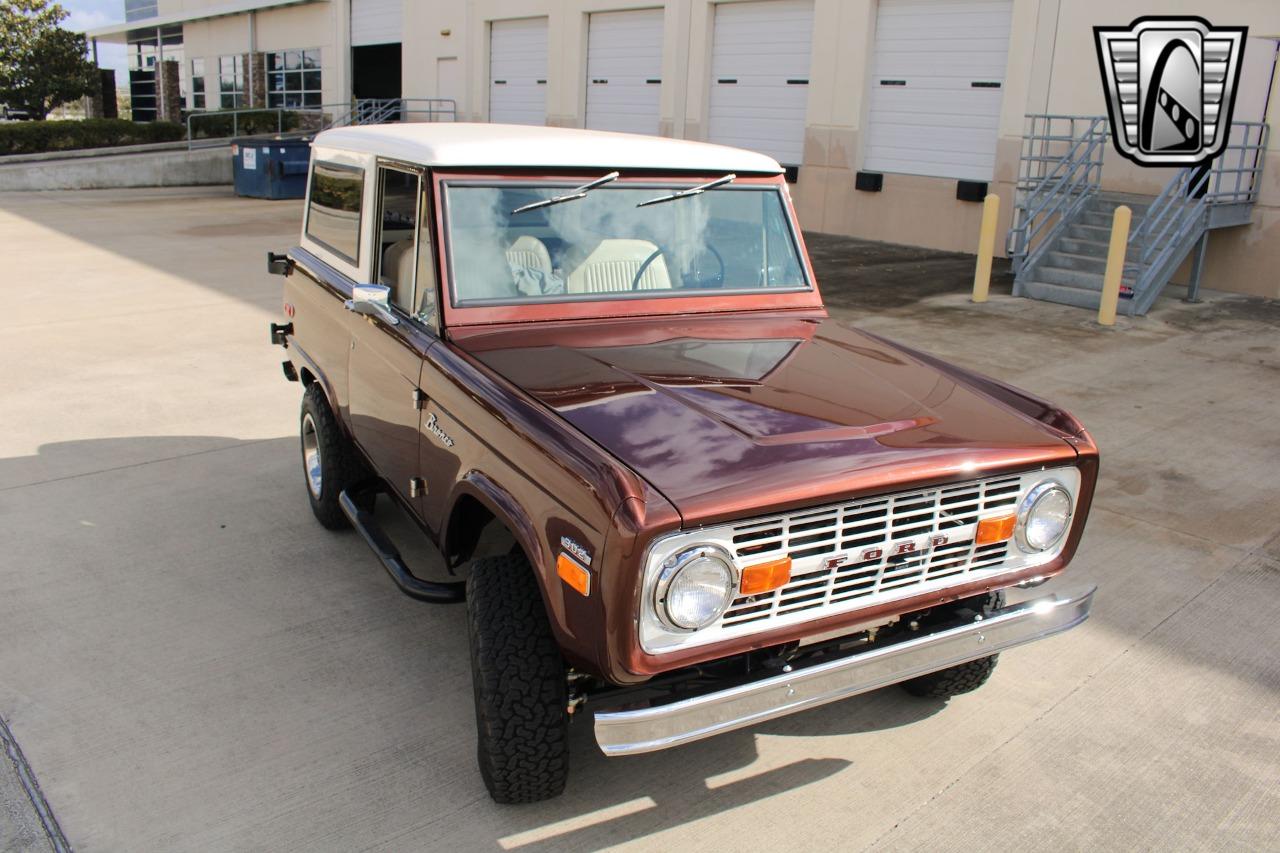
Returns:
<point x="189" y="662"/>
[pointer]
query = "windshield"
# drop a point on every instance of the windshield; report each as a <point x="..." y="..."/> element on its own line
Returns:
<point x="604" y="245"/>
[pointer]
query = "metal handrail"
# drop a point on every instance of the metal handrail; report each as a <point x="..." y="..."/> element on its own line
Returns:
<point x="210" y="142"/>
<point x="1185" y="199"/>
<point x="1050" y="198"/>
<point x="371" y="111"/>
<point x="362" y="111"/>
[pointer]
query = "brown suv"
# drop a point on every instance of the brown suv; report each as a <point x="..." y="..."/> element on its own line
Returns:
<point x="596" y="370"/>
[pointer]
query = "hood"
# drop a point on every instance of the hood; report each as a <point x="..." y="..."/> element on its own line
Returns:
<point x="734" y="415"/>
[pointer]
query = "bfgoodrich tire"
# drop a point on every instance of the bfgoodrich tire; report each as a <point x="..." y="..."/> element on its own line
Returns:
<point x="965" y="677"/>
<point x="522" y="724"/>
<point x="329" y="462"/>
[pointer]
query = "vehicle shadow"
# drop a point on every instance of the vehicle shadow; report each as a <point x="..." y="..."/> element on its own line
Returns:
<point x="634" y="797"/>
<point x="182" y="556"/>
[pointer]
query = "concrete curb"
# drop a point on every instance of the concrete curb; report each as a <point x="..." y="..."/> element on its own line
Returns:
<point x="79" y="153"/>
<point x="157" y="169"/>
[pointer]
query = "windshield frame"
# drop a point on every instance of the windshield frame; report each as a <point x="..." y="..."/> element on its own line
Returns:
<point x="641" y="304"/>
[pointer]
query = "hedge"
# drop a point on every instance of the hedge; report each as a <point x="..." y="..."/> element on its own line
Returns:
<point x="35" y="137"/>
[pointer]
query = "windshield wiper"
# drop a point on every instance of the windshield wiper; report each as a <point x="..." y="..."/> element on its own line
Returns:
<point x="576" y="193"/>
<point x="698" y="190"/>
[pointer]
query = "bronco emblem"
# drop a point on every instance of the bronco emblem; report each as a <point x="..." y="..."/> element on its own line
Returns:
<point x="433" y="427"/>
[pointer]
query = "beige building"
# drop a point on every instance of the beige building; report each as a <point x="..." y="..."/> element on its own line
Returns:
<point x="925" y="98"/>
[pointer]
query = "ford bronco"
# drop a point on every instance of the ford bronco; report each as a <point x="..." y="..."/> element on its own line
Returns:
<point x="672" y="492"/>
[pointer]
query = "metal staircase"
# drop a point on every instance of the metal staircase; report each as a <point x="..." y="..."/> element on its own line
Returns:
<point x="384" y="110"/>
<point x="1062" y="219"/>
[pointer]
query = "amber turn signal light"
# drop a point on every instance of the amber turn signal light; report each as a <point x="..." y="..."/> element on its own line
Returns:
<point x="991" y="530"/>
<point x="764" y="577"/>
<point x="573" y="574"/>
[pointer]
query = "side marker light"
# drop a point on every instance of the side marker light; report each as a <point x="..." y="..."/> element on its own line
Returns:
<point x="574" y="574"/>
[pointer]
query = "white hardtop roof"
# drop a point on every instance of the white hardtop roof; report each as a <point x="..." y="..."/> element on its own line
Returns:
<point x="528" y="146"/>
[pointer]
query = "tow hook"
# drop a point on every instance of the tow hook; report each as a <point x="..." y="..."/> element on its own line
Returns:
<point x="280" y="333"/>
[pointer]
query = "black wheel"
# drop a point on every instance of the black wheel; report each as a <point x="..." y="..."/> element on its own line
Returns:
<point x="522" y="722"/>
<point x="329" y="462"/>
<point x="965" y="677"/>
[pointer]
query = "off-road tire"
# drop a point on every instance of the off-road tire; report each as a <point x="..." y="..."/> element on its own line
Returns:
<point x="522" y="722"/>
<point x="965" y="677"/>
<point x="339" y="465"/>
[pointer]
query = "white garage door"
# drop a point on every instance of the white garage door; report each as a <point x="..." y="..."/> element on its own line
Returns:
<point x="624" y="70"/>
<point x="760" y="76"/>
<point x="936" y="83"/>
<point x="376" y="21"/>
<point x="518" y="71"/>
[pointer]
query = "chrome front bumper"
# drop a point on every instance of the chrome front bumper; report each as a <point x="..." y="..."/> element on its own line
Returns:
<point x="657" y="727"/>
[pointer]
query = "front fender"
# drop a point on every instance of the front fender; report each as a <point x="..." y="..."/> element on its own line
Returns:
<point x="576" y="621"/>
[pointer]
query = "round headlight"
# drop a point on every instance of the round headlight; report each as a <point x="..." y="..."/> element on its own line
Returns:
<point x="695" y="588"/>
<point x="1043" y="516"/>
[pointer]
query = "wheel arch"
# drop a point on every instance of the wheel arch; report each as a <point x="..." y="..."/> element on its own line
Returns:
<point x="478" y="501"/>
<point x="309" y="373"/>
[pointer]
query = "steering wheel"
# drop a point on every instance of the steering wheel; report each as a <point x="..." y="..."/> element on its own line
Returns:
<point x="635" y="282"/>
<point x="717" y="281"/>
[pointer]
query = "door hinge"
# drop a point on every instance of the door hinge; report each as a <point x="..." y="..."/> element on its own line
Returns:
<point x="417" y="487"/>
<point x="419" y="399"/>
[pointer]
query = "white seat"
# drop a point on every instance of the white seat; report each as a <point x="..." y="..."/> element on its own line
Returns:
<point x="531" y="253"/>
<point x="399" y="261"/>
<point x="613" y="265"/>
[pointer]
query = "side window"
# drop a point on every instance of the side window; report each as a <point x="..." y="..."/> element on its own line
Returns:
<point x="398" y="221"/>
<point x="333" y="217"/>
<point x="426" y="310"/>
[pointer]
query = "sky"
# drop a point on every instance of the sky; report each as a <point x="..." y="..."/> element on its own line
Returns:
<point x="97" y="13"/>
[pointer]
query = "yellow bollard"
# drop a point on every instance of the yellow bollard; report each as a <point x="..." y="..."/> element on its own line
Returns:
<point x="1115" y="266"/>
<point x="986" y="247"/>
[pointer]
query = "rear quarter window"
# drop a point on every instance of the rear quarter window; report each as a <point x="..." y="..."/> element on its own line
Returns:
<point x="333" y="215"/>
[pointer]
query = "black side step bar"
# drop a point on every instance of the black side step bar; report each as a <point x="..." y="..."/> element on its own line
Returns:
<point x="367" y="526"/>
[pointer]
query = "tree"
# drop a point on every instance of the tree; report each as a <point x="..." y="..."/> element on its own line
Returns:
<point x="41" y="64"/>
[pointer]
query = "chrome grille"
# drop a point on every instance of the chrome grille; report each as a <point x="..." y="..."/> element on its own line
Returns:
<point x="857" y="531"/>
<point x="835" y="567"/>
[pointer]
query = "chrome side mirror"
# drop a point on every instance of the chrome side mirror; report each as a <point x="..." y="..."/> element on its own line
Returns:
<point x="372" y="300"/>
<point x="375" y="294"/>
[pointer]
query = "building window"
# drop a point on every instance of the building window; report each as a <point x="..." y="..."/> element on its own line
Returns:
<point x="293" y="78"/>
<point x="137" y="9"/>
<point x="144" y="54"/>
<point x="231" y="81"/>
<point x="197" y="83"/>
